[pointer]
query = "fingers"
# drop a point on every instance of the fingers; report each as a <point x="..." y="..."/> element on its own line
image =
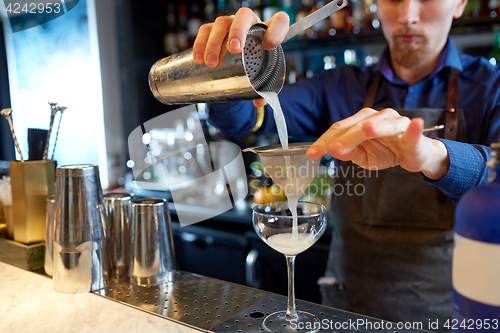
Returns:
<point x="200" y="43"/>
<point x="276" y="30"/>
<point x="259" y="102"/>
<point x="346" y="135"/>
<point x="386" y="123"/>
<point x="227" y="33"/>
<point x="357" y="117"/>
<point x="322" y="145"/>
<point x="243" y="20"/>
<point x="215" y="40"/>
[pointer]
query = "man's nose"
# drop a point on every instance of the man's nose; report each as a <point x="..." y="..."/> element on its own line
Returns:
<point x="409" y="12"/>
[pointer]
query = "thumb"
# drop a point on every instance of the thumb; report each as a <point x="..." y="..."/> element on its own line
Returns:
<point x="414" y="131"/>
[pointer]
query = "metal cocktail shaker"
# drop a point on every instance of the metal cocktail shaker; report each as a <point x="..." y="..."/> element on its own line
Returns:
<point x="118" y="209"/>
<point x="152" y="246"/>
<point x="178" y="79"/>
<point x="81" y="259"/>
<point x="49" y="235"/>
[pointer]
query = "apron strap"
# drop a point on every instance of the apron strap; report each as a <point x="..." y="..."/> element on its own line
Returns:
<point x="372" y="91"/>
<point x="450" y="126"/>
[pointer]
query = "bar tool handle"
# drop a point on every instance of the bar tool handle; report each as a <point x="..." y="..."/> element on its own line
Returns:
<point x="314" y="18"/>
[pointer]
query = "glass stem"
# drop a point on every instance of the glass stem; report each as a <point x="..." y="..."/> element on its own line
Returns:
<point x="291" y="313"/>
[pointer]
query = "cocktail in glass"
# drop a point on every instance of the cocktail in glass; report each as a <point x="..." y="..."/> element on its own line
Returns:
<point x="275" y="224"/>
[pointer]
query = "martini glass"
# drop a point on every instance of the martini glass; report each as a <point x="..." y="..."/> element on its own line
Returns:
<point x="274" y="223"/>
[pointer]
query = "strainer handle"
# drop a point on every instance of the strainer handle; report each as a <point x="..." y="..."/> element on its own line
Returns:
<point x="250" y="150"/>
<point x="314" y="18"/>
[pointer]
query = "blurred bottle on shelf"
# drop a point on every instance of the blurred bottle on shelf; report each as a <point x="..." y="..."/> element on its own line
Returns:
<point x="338" y="22"/>
<point x="472" y="9"/>
<point x="329" y="62"/>
<point x="194" y="22"/>
<point x="371" y="15"/>
<point x="258" y="8"/>
<point x="494" y="55"/>
<point x="293" y="69"/>
<point x="182" y="28"/>
<point x="301" y="13"/>
<point x="209" y="11"/>
<point x="272" y="8"/>
<point x="358" y="16"/>
<point x="350" y="57"/>
<point x="290" y="10"/>
<point x="308" y="7"/>
<point x="494" y="8"/>
<point x="221" y="7"/>
<point x="170" y="36"/>
<point x="233" y="6"/>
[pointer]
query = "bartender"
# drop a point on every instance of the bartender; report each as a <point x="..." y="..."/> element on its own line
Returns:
<point x="391" y="251"/>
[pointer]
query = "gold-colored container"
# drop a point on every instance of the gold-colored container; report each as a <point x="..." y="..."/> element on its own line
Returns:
<point x="9" y="221"/>
<point x="3" y="224"/>
<point x="32" y="182"/>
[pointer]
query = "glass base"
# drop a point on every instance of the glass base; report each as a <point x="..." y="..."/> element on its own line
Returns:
<point x="304" y="323"/>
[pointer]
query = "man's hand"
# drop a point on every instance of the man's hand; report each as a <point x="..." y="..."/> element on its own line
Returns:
<point x="380" y="140"/>
<point x="229" y="33"/>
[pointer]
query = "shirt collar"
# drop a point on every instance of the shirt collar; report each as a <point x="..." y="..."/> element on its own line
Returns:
<point x="448" y="58"/>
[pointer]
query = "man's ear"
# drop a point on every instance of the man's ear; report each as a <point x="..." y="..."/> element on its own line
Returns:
<point x="459" y="10"/>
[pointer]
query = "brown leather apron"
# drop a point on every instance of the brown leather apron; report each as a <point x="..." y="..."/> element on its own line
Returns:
<point x="393" y="238"/>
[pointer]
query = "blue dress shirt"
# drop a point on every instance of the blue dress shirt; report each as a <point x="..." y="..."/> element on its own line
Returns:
<point x="311" y="106"/>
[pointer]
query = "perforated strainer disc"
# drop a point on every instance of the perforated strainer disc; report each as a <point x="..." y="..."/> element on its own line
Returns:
<point x="290" y="169"/>
<point x="265" y="69"/>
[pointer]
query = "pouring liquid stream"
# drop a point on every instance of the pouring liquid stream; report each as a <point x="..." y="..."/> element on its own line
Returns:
<point x="279" y="118"/>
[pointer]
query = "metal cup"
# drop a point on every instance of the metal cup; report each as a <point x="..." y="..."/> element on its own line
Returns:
<point x="118" y="208"/>
<point x="49" y="235"/>
<point x="152" y="248"/>
<point x="178" y="79"/>
<point x="80" y="234"/>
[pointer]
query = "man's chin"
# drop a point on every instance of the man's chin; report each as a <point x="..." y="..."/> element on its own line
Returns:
<point x="408" y="59"/>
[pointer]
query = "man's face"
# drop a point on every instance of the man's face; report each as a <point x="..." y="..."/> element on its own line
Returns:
<point x="417" y="29"/>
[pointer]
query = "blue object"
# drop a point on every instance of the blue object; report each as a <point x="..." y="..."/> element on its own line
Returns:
<point x="476" y="278"/>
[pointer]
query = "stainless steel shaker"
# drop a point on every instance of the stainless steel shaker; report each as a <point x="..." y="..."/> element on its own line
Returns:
<point x="81" y="259"/>
<point x="118" y="210"/>
<point x="178" y="79"/>
<point x="49" y="235"/>
<point x="152" y="248"/>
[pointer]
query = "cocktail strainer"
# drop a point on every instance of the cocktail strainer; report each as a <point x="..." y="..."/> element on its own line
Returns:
<point x="290" y="168"/>
<point x="263" y="67"/>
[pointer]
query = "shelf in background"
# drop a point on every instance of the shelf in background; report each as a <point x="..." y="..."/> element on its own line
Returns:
<point x="345" y="40"/>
